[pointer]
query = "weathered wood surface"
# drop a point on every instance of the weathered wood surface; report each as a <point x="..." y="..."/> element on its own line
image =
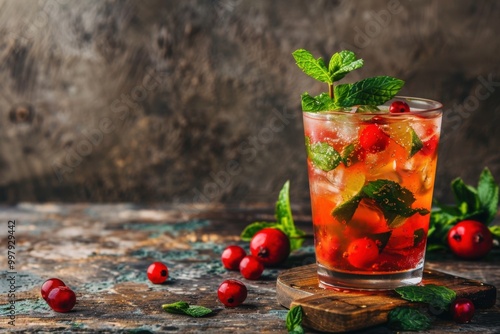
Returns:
<point x="343" y="310"/>
<point x="156" y="100"/>
<point x="102" y="252"/>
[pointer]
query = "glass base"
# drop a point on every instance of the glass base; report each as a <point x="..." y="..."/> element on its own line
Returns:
<point x="329" y="279"/>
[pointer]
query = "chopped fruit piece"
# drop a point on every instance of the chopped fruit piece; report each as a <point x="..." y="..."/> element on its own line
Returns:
<point x="404" y="135"/>
<point x="373" y="139"/>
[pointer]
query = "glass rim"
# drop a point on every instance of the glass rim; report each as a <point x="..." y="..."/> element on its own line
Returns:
<point x="432" y="106"/>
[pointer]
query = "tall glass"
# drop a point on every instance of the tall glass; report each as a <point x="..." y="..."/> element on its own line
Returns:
<point x="371" y="177"/>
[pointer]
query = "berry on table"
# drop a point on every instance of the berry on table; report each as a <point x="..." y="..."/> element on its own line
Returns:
<point x="232" y="292"/>
<point x="462" y="310"/>
<point x="50" y="284"/>
<point x="271" y="246"/>
<point x="157" y="273"/>
<point x="251" y="267"/>
<point x="232" y="256"/>
<point x="373" y="139"/>
<point x="470" y="239"/>
<point x="61" y="299"/>
<point x="399" y="107"/>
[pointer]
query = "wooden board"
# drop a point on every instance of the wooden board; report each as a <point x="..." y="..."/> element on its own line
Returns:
<point x="339" y="311"/>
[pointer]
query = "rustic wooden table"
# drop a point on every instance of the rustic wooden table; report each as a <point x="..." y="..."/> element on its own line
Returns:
<point x="103" y="251"/>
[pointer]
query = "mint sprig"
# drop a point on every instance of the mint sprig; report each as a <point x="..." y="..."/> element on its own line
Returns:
<point x="181" y="307"/>
<point x="284" y="221"/>
<point x="368" y="92"/>
<point x="479" y="204"/>
<point x="439" y="297"/>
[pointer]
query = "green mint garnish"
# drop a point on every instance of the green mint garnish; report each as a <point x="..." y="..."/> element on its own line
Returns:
<point x="394" y="200"/>
<point x="284" y="221"/>
<point x="368" y="92"/>
<point x="184" y="308"/>
<point x="323" y="155"/>
<point x="294" y="320"/>
<point x="416" y="143"/>
<point x="408" y="319"/>
<point x="479" y="204"/>
<point x="440" y="297"/>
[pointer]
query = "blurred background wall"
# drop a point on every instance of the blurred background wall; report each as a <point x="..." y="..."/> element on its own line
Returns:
<point x="199" y="101"/>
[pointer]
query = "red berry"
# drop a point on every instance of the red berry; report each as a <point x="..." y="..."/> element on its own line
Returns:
<point x="232" y="292"/>
<point x="462" y="310"/>
<point x="50" y="284"/>
<point x="251" y="268"/>
<point x="61" y="299"/>
<point x="430" y="146"/>
<point x="373" y="139"/>
<point x="157" y="273"/>
<point x="399" y="107"/>
<point x="232" y="256"/>
<point x="271" y="246"/>
<point x="362" y="253"/>
<point x="470" y="239"/>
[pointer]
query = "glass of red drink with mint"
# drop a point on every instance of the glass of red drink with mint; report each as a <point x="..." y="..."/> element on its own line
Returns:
<point x="371" y="161"/>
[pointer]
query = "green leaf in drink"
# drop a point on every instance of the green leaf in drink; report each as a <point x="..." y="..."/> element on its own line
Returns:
<point x="323" y="155"/>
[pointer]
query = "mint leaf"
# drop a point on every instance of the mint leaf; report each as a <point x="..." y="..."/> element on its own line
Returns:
<point x="315" y="68"/>
<point x="408" y="319"/>
<point x="437" y="296"/>
<point x="251" y="229"/>
<point x="323" y="155"/>
<point x="495" y="230"/>
<point x="487" y="191"/>
<point x="285" y="219"/>
<point x="416" y="143"/>
<point x="181" y="307"/>
<point x="370" y="91"/>
<point x="294" y="320"/>
<point x="465" y="195"/>
<point x="342" y="63"/>
<point x="393" y="199"/>
<point x="321" y="102"/>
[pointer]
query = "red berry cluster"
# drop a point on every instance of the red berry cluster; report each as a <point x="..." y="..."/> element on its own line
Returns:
<point x="58" y="296"/>
<point x="268" y="247"/>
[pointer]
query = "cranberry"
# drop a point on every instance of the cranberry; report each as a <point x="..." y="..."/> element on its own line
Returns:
<point x="232" y="292"/>
<point x="50" y="284"/>
<point x="470" y="239"/>
<point x="362" y="253"/>
<point x="399" y="107"/>
<point x="61" y="299"/>
<point x="373" y="139"/>
<point x="157" y="273"/>
<point x="232" y="256"/>
<point x="251" y="268"/>
<point x="271" y="246"/>
<point x="462" y="310"/>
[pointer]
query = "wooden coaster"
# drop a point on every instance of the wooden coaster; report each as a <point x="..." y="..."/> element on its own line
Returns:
<point x="339" y="311"/>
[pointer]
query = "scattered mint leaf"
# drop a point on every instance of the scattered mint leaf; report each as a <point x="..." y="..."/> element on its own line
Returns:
<point x="321" y="102"/>
<point x="181" y="307"/>
<point x="323" y="155"/>
<point x="342" y="63"/>
<point x="315" y="68"/>
<point x="285" y="219"/>
<point x="370" y="91"/>
<point x="408" y="319"/>
<point x="487" y="191"/>
<point x="251" y="229"/>
<point x="437" y="296"/>
<point x="294" y="320"/>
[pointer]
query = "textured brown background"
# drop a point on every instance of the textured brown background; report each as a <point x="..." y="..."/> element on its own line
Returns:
<point x="183" y="101"/>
